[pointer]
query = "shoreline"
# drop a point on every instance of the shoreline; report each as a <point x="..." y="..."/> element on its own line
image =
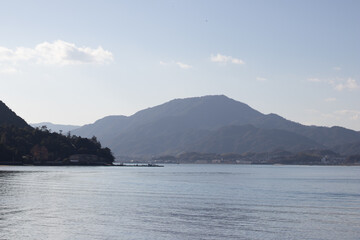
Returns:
<point x="162" y="165"/>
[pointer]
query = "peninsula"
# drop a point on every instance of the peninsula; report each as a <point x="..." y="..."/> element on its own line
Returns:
<point x="21" y="144"/>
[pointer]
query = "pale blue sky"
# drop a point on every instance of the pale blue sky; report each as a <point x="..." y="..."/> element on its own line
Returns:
<point x="299" y="59"/>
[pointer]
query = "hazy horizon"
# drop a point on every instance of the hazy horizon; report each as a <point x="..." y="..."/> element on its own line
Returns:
<point x="73" y="63"/>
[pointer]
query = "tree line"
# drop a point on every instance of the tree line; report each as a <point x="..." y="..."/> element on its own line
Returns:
<point x="40" y="146"/>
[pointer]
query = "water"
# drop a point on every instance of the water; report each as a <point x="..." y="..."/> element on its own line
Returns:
<point x="180" y="202"/>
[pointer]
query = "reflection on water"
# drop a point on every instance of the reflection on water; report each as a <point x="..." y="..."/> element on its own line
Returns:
<point x="180" y="202"/>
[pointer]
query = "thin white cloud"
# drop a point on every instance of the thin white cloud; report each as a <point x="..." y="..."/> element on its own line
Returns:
<point x="163" y="63"/>
<point x="312" y="111"/>
<point x="183" y="65"/>
<point x="314" y="80"/>
<point x="330" y="99"/>
<point x="349" y="84"/>
<point x="8" y="70"/>
<point x="338" y="115"/>
<point x="337" y="68"/>
<point x="219" y="58"/>
<point x="346" y="117"/>
<point x="338" y="84"/>
<point x="261" y="79"/>
<point x="56" y="53"/>
<point x="316" y="112"/>
<point x="174" y="63"/>
<point x="350" y="114"/>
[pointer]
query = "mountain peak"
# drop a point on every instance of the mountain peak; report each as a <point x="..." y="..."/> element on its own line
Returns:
<point x="203" y="99"/>
<point x="207" y="111"/>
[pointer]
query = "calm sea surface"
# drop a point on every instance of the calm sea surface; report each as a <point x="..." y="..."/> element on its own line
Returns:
<point x="180" y="202"/>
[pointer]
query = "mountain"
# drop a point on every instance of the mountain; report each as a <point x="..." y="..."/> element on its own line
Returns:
<point x="55" y="127"/>
<point x="172" y="125"/>
<point x="105" y="129"/>
<point x="247" y="138"/>
<point x="212" y="124"/>
<point x="348" y="149"/>
<point x="329" y="137"/>
<point x="195" y="112"/>
<point x="8" y="117"/>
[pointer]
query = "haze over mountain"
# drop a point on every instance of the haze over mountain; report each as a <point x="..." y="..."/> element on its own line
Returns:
<point x="209" y="124"/>
<point x="55" y="127"/>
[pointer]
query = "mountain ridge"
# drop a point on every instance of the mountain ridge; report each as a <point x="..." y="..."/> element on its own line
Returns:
<point x="9" y="117"/>
<point x="181" y="125"/>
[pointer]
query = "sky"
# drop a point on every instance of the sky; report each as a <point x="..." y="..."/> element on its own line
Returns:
<point x="74" y="62"/>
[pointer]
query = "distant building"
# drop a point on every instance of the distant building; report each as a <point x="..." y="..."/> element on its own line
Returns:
<point x="86" y="159"/>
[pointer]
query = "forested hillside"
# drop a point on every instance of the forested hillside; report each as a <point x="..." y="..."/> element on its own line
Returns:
<point x="22" y="144"/>
<point x="40" y="146"/>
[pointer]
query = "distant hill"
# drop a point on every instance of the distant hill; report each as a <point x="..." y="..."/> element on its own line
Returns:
<point x="172" y="125"/>
<point x="105" y="129"/>
<point x="247" y="138"/>
<point x="8" y="117"/>
<point x="209" y="124"/>
<point x="55" y="127"/>
<point x="348" y="149"/>
<point x="329" y="137"/>
<point x="191" y="112"/>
